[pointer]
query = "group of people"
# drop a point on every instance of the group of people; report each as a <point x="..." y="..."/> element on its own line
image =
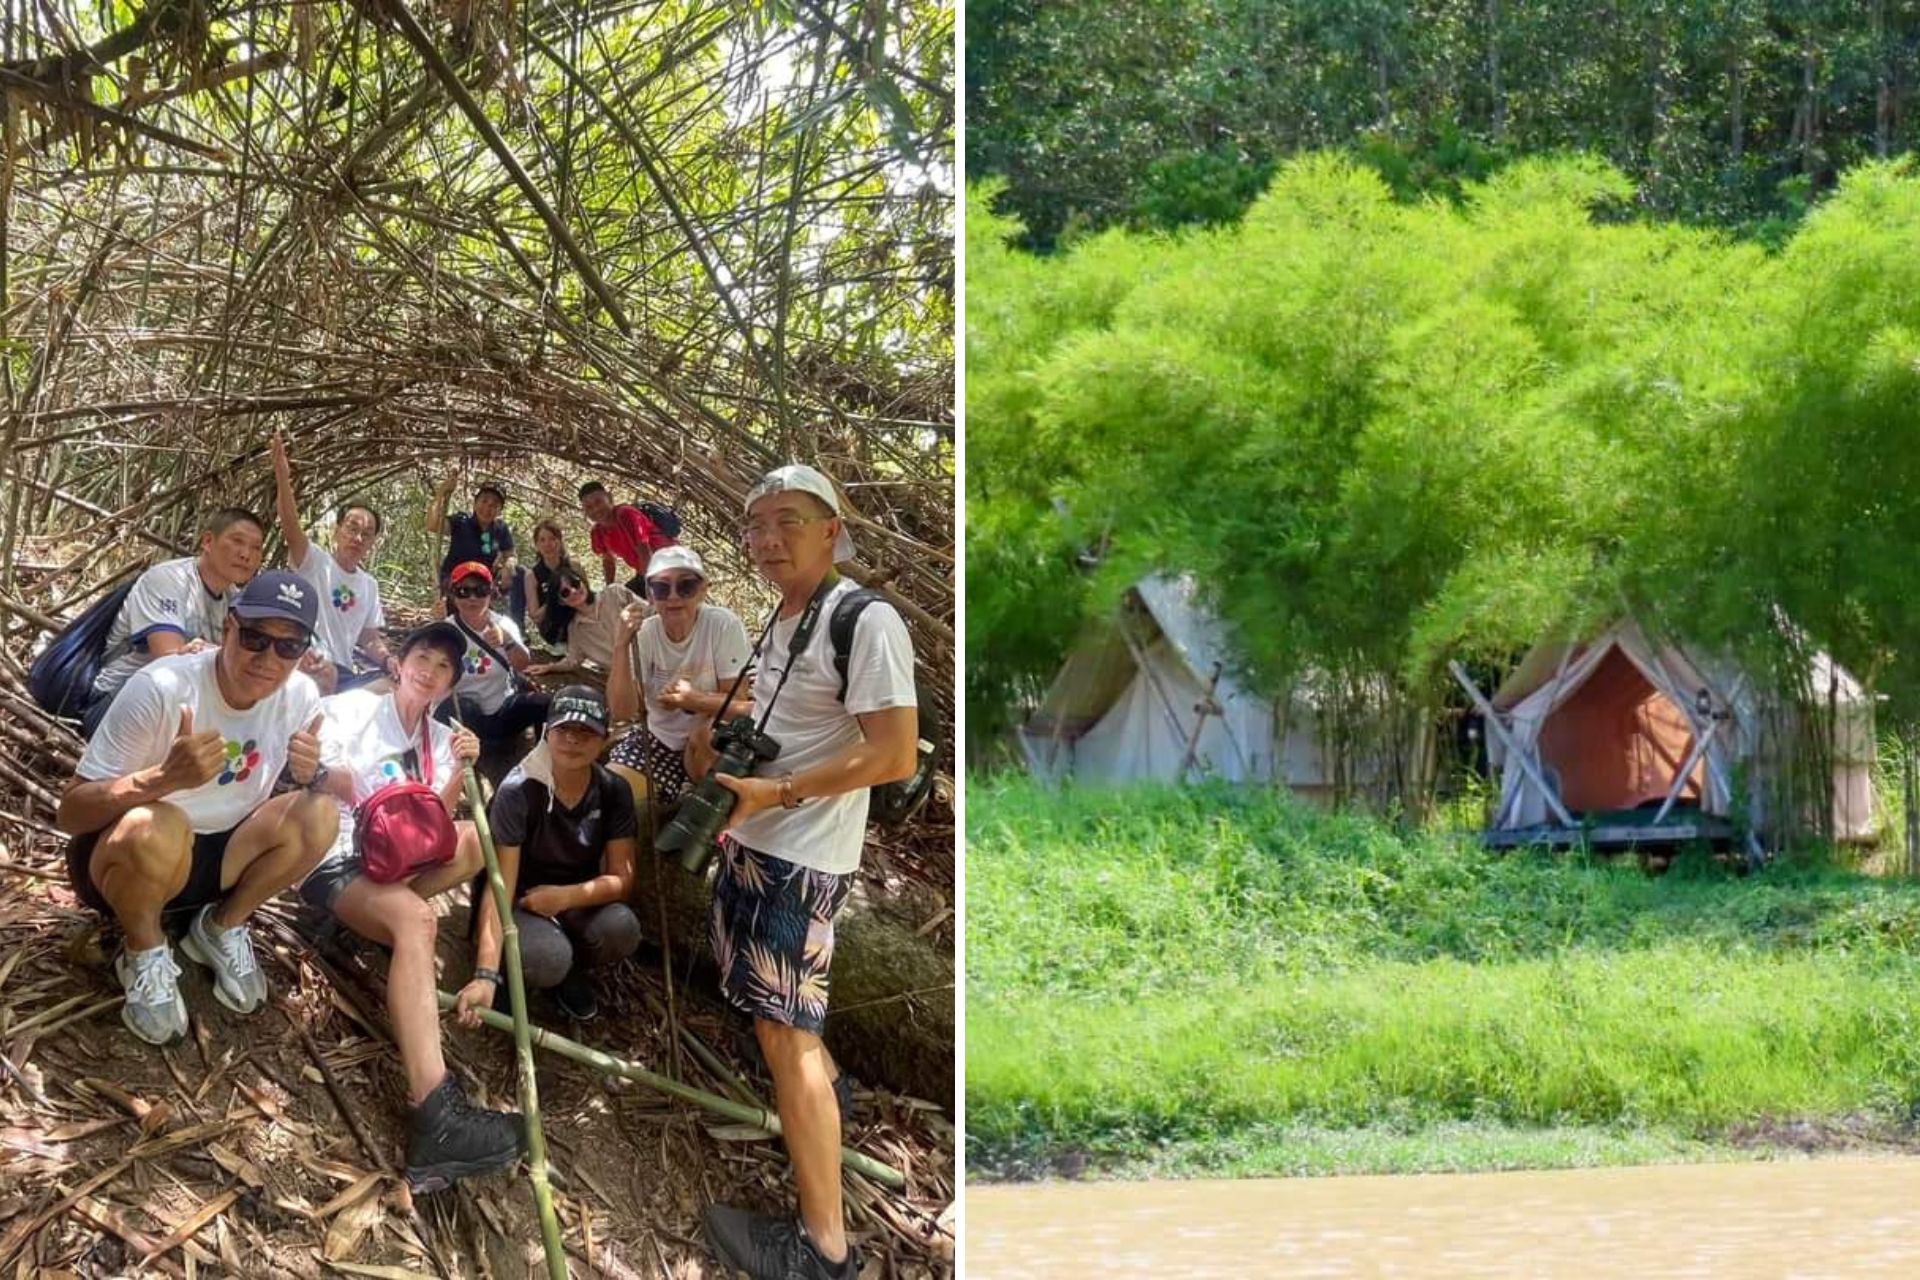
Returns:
<point x="250" y="725"/>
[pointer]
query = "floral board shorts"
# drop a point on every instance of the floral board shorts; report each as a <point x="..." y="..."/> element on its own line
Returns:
<point x="773" y="935"/>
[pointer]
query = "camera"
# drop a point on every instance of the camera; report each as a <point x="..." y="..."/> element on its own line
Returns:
<point x="704" y="811"/>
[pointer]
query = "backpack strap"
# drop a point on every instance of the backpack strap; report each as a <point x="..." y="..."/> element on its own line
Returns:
<point x="846" y="615"/>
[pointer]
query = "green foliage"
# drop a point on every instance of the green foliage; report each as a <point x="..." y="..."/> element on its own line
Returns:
<point x="1386" y="435"/>
<point x="1734" y="114"/>
<point x="1167" y="965"/>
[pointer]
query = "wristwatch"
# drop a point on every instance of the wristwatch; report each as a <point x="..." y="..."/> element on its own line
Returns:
<point x="787" y="799"/>
<point x="319" y="778"/>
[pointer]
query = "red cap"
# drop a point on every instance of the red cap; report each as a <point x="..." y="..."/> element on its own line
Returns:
<point x="471" y="569"/>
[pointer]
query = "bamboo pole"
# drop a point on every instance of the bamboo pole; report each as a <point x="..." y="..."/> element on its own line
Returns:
<point x="758" y="1117"/>
<point x="523" y="1045"/>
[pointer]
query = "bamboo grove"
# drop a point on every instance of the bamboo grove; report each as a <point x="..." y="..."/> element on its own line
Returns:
<point x="1386" y="435"/>
<point x="665" y="242"/>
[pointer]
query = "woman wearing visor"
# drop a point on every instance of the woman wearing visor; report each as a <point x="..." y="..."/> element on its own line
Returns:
<point x="687" y="657"/>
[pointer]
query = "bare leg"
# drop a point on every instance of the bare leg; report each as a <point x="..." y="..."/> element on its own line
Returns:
<point x="273" y="849"/>
<point x="395" y="915"/>
<point x="810" y="1115"/>
<point x="139" y="863"/>
<point x="467" y="861"/>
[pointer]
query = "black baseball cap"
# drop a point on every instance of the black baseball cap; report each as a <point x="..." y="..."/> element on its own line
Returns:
<point x="278" y="594"/>
<point x="579" y="704"/>
<point x="443" y="636"/>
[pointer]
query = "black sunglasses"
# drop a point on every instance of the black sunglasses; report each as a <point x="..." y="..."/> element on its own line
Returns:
<point x="662" y="588"/>
<point x="254" y="640"/>
<point x="471" y="593"/>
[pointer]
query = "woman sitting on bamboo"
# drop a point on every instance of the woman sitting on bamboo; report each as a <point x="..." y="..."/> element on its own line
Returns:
<point x="565" y="832"/>
<point x="369" y="742"/>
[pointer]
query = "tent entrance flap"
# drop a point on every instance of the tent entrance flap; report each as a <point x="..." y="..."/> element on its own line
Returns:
<point x="1619" y="743"/>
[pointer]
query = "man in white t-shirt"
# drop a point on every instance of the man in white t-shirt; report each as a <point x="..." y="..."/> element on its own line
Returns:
<point x="794" y="841"/>
<point x="350" y="615"/>
<point x="172" y="807"/>
<point x="178" y="605"/>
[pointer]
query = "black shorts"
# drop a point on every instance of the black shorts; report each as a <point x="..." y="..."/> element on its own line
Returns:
<point x="324" y="883"/>
<point x="203" y="873"/>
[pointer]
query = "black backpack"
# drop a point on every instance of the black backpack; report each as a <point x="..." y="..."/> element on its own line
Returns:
<point x="665" y="519"/>
<point x="891" y="803"/>
<point x="61" y="678"/>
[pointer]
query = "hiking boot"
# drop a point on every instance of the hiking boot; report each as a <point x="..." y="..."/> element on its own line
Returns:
<point x="154" y="1009"/>
<point x="453" y="1139"/>
<point x="576" y="997"/>
<point x="238" y="982"/>
<point x="770" y="1248"/>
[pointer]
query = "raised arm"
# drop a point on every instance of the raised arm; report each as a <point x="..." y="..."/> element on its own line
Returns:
<point x="623" y="685"/>
<point x="437" y="509"/>
<point x="289" y="510"/>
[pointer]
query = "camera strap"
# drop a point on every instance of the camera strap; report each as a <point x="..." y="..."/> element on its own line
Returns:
<point x="802" y="637"/>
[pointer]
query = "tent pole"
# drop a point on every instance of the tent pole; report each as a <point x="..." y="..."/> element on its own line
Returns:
<point x="1205" y="706"/>
<point x="1686" y="768"/>
<point x="1494" y="727"/>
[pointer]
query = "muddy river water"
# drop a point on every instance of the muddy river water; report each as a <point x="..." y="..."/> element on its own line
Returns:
<point x="1802" y="1218"/>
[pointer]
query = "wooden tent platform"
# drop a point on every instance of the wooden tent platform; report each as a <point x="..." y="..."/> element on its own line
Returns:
<point x="1616" y="834"/>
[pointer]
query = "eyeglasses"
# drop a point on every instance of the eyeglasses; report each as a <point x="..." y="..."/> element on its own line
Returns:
<point x="786" y="526"/>
<point x="472" y="593"/>
<point x="358" y="529"/>
<point x="254" y="640"/>
<point x="666" y="588"/>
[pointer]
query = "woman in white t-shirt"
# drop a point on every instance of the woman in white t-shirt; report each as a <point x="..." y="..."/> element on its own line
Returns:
<point x="369" y="740"/>
<point x="687" y="657"/>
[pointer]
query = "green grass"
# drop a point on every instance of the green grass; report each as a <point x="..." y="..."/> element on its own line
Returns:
<point x="1211" y="979"/>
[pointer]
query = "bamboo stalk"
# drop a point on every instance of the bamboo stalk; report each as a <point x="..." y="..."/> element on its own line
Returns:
<point x="758" y="1117"/>
<point x="523" y="1045"/>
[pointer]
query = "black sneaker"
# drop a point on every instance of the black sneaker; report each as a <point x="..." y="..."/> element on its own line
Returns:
<point x="770" y="1248"/>
<point x="576" y="997"/>
<point x="453" y="1139"/>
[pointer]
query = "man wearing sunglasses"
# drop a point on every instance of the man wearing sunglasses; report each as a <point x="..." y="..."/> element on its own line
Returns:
<point x="793" y="848"/>
<point x="172" y="807"/>
<point x="350" y="614"/>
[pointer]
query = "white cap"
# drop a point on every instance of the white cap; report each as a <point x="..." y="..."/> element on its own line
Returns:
<point x="799" y="476"/>
<point x="667" y="559"/>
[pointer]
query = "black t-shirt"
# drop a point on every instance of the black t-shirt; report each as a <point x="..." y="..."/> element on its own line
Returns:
<point x="553" y="623"/>
<point x="466" y="540"/>
<point x="559" y="845"/>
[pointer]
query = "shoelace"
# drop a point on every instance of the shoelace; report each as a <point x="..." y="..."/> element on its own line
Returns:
<point x="235" y="947"/>
<point x="153" y="973"/>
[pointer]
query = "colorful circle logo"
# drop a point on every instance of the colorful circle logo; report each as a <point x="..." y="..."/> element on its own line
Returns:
<point x="478" y="663"/>
<point x="242" y="760"/>
<point x="390" y="771"/>
<point x="343" y="598"/>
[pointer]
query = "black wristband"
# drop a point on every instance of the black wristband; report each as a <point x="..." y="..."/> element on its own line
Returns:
<point x="490" y="975"/>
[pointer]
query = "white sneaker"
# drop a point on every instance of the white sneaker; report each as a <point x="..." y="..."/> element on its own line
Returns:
<point x="154" y="1009"/>
<point x="237" y="980"/>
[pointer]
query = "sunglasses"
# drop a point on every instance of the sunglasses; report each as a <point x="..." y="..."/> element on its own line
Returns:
<point x="472" y="593"/>
<point x="254" y="640"/>
<point x="666" y="588"/>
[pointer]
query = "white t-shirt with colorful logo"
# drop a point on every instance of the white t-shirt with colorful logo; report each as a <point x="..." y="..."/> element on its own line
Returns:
<point x="168" y="597"/>
<point x="349" y="603"/>
<point x="483" y="680"/>
<point x="714" y="651"/>
<point x="362" y="737"/>
<point x="144" y="719"/>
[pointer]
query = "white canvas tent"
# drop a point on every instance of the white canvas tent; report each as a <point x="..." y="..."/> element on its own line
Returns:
<point x="1622" y="722"/>
<point x="1150" y="693"/>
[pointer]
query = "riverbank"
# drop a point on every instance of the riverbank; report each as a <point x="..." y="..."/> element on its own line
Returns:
<point x="1220" y="983"/>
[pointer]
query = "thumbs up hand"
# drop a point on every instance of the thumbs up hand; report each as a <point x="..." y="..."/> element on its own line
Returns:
<point x="192" y="758"/>
<point x="303" y="753"/>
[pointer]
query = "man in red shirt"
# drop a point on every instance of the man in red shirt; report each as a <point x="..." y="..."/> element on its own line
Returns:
<point x="622" y="531"/>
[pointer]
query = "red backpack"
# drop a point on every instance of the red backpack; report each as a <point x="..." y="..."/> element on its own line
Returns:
<point x="404" y="828"/>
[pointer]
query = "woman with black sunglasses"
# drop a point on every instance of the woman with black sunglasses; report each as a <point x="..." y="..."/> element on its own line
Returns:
<point x="688" y="653"/>
<point x="495" y="700"/>
<point x="596" y="620"/>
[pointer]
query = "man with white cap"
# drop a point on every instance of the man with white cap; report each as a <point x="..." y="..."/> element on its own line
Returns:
<point x="172" y="807"/>
<point x="793" y="848"/>
<point x="688" y="653"/>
